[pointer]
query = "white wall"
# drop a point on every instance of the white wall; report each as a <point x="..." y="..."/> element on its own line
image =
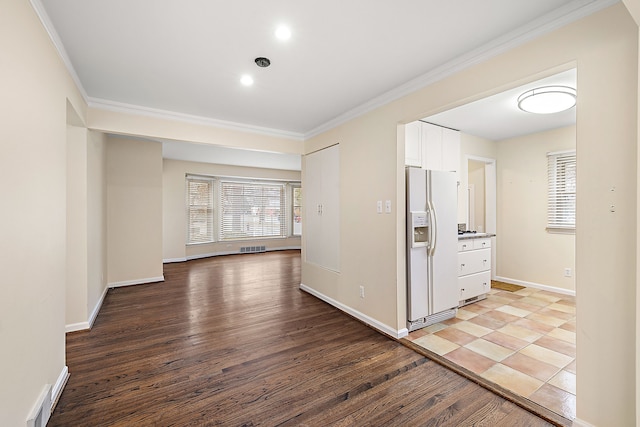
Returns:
<point x="526" y="252"/>
<point x="134" y="211"/>
<point x="174" y="220"/>
<point x="471" y="146"/>
<point x="76" y="256"/>
<point x="604" y="46"/>
<point x="476" y="179"/>
<point x="33" y="130"/>
<point x="96" y="223"/>
<point x="86" y="226"/>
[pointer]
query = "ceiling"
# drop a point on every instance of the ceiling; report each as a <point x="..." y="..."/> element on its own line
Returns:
<point x="498" y="117"/>
<point x="184" y="58"/>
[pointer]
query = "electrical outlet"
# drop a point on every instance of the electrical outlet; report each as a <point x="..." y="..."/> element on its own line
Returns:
<point x="361" y="291"/>
<point x="567" y="272"/>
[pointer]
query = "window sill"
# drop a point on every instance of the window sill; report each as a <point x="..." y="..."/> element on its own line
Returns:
<point x="561" y="230"/>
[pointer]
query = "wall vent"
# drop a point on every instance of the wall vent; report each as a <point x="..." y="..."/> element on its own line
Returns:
<point x="252" y="249"/>
<point x="474" y="299"/>
<point x="41" y="411"/>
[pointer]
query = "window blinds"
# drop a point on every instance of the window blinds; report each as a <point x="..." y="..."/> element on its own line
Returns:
<point x="562" y="190"/>
<point x="252" y="210"/>
<point x="200" y="210"/>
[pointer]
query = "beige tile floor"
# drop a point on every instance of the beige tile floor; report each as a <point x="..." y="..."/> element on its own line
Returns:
<point x="525" y="341"/>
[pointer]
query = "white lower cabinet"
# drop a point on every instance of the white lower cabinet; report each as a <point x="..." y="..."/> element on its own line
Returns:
<point x="474" y="269"/>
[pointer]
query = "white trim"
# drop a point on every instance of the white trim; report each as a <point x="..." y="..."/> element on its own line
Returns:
<point x="237" y="252"/>
<point x="561" y="152"/>
<point x="561" y="230"/>
<point x="98" y="306"/>
<point x="170" y="260"/>
<point x="577" y="422"/>
<point x="57" y="43"/>
<point x="84" y="326"/>
<point x="57" y="388"/>
<point x="74" y="327"/>
<point x="136" y="282"/>
<point x="536" y="285"/>
<point x="131" y="109"/>
<point x="558" y="18"/>
<point x="358" y="315"/>
<point x="41" y="410"/>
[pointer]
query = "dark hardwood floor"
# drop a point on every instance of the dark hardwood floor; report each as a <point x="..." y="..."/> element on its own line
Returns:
<point x="232" y="341"/>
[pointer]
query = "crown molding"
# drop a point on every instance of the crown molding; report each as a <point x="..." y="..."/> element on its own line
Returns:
<point x="560" y="17"/>
<point x="120" y="107"/>
<point x="55" y="39"/>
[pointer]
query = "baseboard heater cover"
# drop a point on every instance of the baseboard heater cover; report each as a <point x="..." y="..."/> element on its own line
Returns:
<point x="423" y="322"/>
<point x="252" y="249"/>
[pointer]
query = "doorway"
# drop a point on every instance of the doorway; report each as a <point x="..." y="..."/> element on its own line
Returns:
<point x="521" y="152"/>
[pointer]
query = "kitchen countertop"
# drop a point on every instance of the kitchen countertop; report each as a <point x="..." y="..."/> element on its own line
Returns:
<point x="468" y="236"/>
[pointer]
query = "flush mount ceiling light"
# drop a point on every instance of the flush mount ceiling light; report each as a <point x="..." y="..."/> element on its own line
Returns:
<point x="547" y="99"/>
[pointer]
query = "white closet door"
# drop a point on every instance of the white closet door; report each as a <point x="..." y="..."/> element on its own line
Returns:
<point x="322" y="203"/>
<point x="331" y="208"/>
<point x="312" y="191"/>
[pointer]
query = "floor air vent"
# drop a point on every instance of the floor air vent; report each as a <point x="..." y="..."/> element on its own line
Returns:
<point x="42" y="410"/>
<point x="252" y="249"/>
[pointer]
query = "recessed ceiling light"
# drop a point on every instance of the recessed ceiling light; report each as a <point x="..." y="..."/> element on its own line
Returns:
<point x="547" y="99"/>
<point x="283" y="32"/>
<point x="246" y="80"/>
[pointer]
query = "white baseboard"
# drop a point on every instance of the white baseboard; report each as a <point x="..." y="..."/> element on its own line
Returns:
<point x="57" y="388"/>
<point x="170" y="260"/>
<point x="136" y="282"/>
<point x="74" y="327"/>
<point x="535" y="285"/>
<point x="355" y="313"/>
<point x="236" y="252"/>
<point x="211" y="254"/>
<point x="577" y="422"/>
<point x="84" y="326"/>
<point x="96" y="309"/>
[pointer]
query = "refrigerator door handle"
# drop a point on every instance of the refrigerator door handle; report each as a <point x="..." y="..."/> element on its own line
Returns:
<point x="433" y="229"/>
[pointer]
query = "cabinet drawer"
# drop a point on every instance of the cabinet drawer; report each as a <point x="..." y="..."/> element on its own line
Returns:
<point x="474" y="285"/>
<point x="474" y="261"/>
<point x="481" y="243"/>
<point x="465" y="245"/>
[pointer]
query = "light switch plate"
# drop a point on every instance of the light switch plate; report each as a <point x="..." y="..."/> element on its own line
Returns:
<point x="379" y="207"/>
<point x="387" y="206"/>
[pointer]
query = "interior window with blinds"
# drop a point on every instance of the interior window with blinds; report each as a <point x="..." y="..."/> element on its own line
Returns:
<point x="200" y="210"/>
<point x="252" y="210"/>
<point x="562" y="191"/>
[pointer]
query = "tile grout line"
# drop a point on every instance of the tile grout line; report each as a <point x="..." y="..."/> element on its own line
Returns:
<point x="495" y="351"/>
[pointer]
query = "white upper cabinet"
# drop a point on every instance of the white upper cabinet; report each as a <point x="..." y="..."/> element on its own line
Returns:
<point x="432" y="147"/>
<point x="413" y="145"/>
<point x="450" y="150"/>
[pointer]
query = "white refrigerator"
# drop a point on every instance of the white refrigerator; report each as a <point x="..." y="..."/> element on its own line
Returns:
<point x="432" y="247"/>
